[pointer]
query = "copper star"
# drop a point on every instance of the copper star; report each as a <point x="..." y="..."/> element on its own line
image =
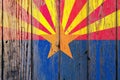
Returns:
<point x="60" y="41"/>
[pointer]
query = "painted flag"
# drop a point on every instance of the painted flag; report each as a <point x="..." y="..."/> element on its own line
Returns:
<point x="71" y="39"/>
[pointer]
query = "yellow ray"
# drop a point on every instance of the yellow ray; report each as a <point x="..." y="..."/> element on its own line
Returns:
<point x="83" y="14"/>
<point x="27" y="28"/>
<point x="118" y="14"/>
<point x="52" y="7"/>
<point x="0" y="16"/>
<point x="66" y="12"/>
<point x="8" y="19"/>
<point x="36" y="14"/>
<point x="102" y="24"/>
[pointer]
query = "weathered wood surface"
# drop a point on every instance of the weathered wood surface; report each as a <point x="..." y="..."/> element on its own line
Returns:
<point x="118" y="41"/>
<point x="102" y="53"/>
<point x="16" y="64"/>
<point x="44" y="68"/>
<point x="75" y="68"/>
<point x="0" y="40"/>
<point x="24" y="57"/>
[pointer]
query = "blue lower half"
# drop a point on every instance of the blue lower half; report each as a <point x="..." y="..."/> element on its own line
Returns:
<point x="93" y="60"/>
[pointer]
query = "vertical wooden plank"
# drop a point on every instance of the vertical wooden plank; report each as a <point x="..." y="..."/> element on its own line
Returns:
<point x="26" y="39"/>
<point x="17" y="51"/>
<point x="45" y="65"/>
<point x="11" y="48"/>
<point x="118" y="40"/>
<point x="102" y="40"/>
<point x="0" y="39"/>
<point x="74" y="68"/>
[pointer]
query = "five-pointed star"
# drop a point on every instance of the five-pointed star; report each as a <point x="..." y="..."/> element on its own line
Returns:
<point x="60" y="44"/>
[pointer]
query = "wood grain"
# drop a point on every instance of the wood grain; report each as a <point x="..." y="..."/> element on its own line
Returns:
<point x="17" y="54"/>
<point x="118" y="41"/>
<point x="102" y="53"/>
<point x="11" y="48"/>
<point x="44" y="68"/>
<point x="75" y="68"/>
<point x="22" y="58"/>
<point x="0" y="40"/>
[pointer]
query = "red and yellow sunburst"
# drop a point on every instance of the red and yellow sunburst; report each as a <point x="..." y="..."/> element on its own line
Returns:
<point x="59" y="22"/>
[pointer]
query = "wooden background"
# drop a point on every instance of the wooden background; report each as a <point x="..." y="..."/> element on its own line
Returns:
<point x="19" y="59"/>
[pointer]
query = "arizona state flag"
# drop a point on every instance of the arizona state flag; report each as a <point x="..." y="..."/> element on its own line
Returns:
<point x="70" y="39"/>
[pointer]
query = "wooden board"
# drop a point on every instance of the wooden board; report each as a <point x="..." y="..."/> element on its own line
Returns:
<point x="118" y="41"/>
<point x="76" y="67"/>
<point x="44" y="68"/>
<point x="0" y="40"/>
<point x="17" y="51"/>
<point x="102" y="47"/>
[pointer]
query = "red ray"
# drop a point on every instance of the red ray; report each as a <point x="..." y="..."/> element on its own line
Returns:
<point x="61" y="9"/>
<point x="18" y="35"/>
<point x="108" y="34"/>
<point x="44" y="10"/>
<point x="108" y="7"/>
<point x="118" y="4"/>
<point x="22" y="14"/>
<point x="118" y="35"/>
<point x="76" y="9"/>
<point x="83" y="37"/>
